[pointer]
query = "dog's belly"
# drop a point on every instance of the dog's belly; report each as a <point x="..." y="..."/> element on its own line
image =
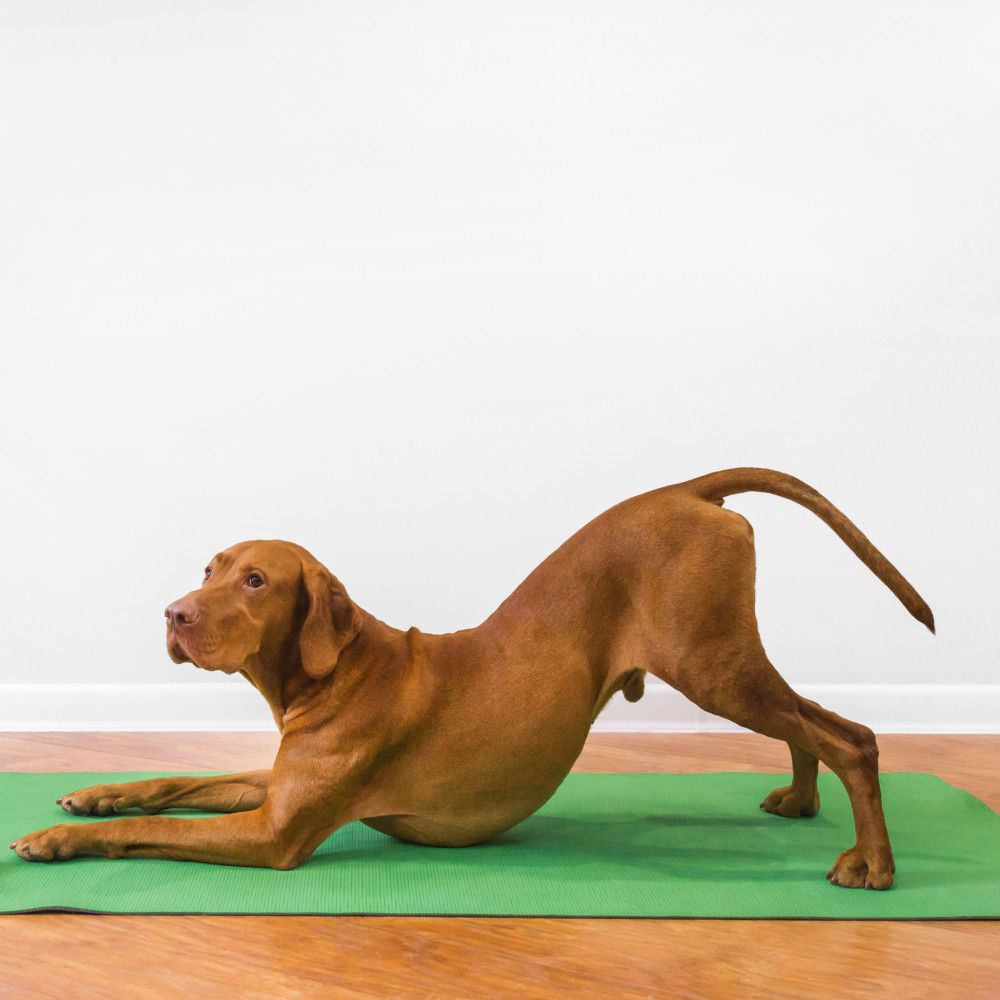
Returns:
<point x="497" y="740"/>
<point x="468" y="794"/>
<point x="440" y="832"/>
<point x="469" y="814"/>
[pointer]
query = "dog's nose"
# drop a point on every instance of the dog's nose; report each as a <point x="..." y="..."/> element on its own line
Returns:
<point x="179" y="613"/>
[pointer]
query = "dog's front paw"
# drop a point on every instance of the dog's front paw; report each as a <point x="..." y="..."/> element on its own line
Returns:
<point x="857" y="868"/>
<point x="57" y="843"/>
<point x="98" y="800"/>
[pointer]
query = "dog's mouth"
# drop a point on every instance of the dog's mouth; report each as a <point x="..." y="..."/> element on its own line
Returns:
<point x="202" y="651"/>
<point x="175" y="650"/>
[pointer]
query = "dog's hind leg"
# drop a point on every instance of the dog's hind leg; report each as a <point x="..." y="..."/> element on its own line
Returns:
<point x="710" y="651"/>
<point x="745" y="688"/>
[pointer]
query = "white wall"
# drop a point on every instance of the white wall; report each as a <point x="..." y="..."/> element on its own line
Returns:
<point x="424" y="287"/>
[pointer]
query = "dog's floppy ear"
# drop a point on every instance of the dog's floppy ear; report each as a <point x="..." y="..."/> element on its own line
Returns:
<point x="332" y="621"/>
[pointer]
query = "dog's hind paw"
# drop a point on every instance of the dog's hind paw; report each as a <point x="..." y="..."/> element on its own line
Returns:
<point x="785" y="802"/>
<point x="856" y="869"/>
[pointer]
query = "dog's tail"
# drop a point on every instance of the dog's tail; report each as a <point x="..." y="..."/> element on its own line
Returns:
<point x="717" y="485"/>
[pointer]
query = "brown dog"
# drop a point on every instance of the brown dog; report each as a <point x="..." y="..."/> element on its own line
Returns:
<point x="450" y="739"/>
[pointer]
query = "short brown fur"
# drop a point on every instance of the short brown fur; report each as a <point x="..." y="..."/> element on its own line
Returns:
<point x="451" y="739"/>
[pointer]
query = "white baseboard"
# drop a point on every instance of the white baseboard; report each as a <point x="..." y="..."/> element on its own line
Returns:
<point x="133" y="708"/>
<point x="886" y="708"/>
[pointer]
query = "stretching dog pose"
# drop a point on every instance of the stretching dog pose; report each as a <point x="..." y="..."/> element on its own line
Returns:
<point x="450" y="739"/>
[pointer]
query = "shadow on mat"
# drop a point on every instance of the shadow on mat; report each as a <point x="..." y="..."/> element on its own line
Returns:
<point x="710" y="848"/>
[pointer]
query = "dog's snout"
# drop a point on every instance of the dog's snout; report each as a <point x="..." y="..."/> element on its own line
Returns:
<point x="181" y="613"/>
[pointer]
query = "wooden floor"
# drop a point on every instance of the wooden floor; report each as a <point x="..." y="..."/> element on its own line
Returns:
<point x="66" y="956"/>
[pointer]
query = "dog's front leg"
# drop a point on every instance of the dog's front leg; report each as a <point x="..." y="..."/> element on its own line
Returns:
<point x="212" y="793"/>
<point x="257" y="839"/>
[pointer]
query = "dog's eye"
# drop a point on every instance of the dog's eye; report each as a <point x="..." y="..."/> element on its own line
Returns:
<point x="253" y="580"/>
<point x="208" y="572"/>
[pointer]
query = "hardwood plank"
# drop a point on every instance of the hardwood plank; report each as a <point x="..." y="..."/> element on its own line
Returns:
<point x="380" y="957"/>
<point x="63" y="956"/>
<point x="964" y="761"/>
<point x="137" y="751"/>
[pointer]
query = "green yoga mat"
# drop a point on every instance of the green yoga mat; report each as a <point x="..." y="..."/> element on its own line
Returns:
<point x="606" y="845"/>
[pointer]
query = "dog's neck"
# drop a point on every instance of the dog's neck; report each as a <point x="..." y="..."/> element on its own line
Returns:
<point x="279" y="677"/>
<point x="290" y="692"/>
<point x="270" y="684"/>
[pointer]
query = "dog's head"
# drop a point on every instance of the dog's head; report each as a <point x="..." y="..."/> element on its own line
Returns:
<point x="266" y="598"/>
